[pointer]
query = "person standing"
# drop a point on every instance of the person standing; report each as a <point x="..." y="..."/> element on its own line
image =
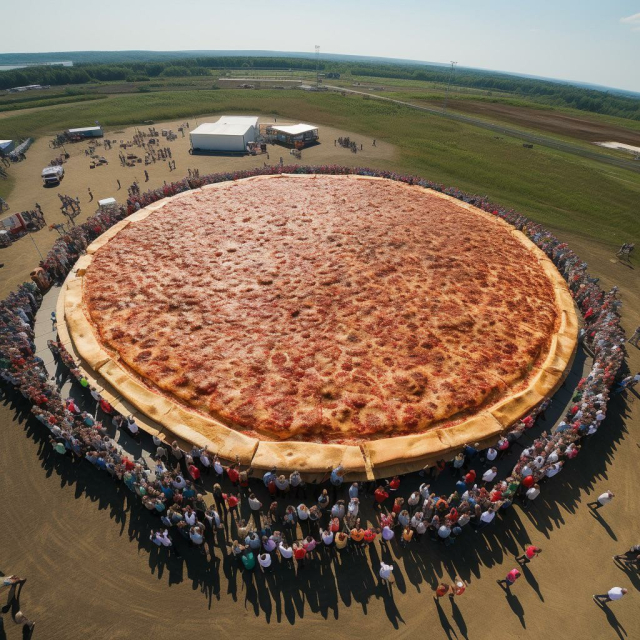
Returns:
<point x="529" y="554"/>
<point x="510" y="578"/>
<point x="386" y="573"/>
<point x="635" y="337"/>
<point x="630" y="557"/>
<point x="615" y="593"/>
<point x="90" y="194"/>
<point x="458" y="587"/>
<point x="255" y="505"/>
<point x="379" y="495"/>
<point x="604" y="498"/>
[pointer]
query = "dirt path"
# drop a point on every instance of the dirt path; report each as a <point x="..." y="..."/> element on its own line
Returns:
<point x="551" y="121"/>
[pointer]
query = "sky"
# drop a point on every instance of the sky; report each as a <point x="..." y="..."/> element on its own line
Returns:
<point x="594" y="41"/>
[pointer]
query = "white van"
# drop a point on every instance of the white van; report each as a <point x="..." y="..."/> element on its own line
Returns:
<point x="52" y="175"/>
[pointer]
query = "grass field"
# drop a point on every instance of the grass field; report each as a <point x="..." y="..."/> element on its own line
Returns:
<point x="563" y="191"/>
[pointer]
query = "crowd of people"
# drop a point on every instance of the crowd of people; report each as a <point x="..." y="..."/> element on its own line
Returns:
<point x="283" y="528"/>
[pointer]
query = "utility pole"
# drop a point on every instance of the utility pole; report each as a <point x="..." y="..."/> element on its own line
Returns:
<point x="446" y="94"/>
<point x="317" y="66"/>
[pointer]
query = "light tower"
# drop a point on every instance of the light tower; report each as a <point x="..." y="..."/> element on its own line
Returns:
<point x="317" y="66"/>
<point x="446" y="93"/>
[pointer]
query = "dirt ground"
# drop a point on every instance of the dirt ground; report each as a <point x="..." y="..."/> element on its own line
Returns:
<point x="90" y="570"/>
<point x="102" y="180"/>
<point x="551" y="121"/>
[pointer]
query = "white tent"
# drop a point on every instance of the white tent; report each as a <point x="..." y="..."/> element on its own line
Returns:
<point x="230" y="133"/>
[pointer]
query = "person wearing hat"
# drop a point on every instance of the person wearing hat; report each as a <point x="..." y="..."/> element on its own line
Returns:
<point x="458" y="587"/>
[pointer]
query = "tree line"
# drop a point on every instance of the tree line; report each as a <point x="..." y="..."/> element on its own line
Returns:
<point x="543" y="91"/>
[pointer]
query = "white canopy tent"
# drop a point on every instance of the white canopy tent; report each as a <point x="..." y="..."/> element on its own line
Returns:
<point x="229" y="133"/>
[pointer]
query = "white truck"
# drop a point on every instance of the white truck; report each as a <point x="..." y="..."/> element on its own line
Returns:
<point x="52" y="175"/>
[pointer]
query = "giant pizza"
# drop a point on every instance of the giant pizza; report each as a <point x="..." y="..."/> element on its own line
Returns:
<point x="308" y="320"/>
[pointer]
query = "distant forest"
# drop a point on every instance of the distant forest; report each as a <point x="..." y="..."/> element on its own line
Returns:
<point x="543" y="91"/>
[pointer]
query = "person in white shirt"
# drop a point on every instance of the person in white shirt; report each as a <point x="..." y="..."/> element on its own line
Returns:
<point x="531" y="494"/>
<point x="492" y="454"/>
<point x="327" y="538"/>
<point x="386" y="572"/>
<point x="285" y="551"/>
<point x="490" y="474"/>
<point x="413" y="501"/>
<point x="486" y="519"/>
<point x="264" y="559"/>
<point x="604" y="498"/>
<point x="615" y="593"/>
<point x="554" y="469"/>
<point x="205" y="461"/>
<point x="217" y="466"/>
<point x="303" y="512"/>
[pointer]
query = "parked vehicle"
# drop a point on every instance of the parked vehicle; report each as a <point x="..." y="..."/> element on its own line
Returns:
<point x="52" y="175"/>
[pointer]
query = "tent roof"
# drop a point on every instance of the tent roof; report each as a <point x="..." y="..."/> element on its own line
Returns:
<point x="82" y="129"/>
<point x="222" y="129"/>
<point x="4" y="143"/>
<point x="293" y="129"/>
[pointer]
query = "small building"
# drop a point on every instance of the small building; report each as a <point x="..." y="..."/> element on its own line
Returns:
<point x="231" y="134"/>
<point x="87" y="132"/>
<point x="294" y="135"/>
<point x="6" y="147"/>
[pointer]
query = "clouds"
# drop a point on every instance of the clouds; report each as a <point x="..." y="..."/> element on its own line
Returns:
<point x="633" y="20"/>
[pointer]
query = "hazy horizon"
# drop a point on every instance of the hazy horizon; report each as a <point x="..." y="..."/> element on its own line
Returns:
<point x="585" y="42"/>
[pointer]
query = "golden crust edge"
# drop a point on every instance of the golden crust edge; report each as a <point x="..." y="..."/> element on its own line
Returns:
<point x="502" y="415"/>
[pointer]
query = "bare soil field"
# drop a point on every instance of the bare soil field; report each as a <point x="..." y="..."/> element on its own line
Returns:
<point x="586" y="129"/>
<point x="83" y="545"/>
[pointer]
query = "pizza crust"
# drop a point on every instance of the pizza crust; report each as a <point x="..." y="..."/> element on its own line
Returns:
<point x="159" y="414"/>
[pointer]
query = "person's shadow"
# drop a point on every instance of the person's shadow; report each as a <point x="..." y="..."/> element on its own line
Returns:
<point x="604" y="523"/>
<point x="459" y="620"/>
<point x="447" y="627"/>
<point x="530" y="578"/>
<point x="631" y="571"/>
<point x="516" y="607"/>
<point x="613" y="621"/>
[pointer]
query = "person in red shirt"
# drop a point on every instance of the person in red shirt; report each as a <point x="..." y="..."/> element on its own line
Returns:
<point x="441" y="590"/>
<point x="511" y="577"/>
<point x="299" y="553"/>
<point x="369" y="535"/>
<point x="194" y="472"/>
<point x="106" y="407"/>
<point x="529" y="554"/>
<point x="232" y="501"/>
<point x="234" y="474"/>
<point x="397" y="505"/>
<point x="379" y="496"/>
<point x="394" y="485"/>
<point x="128" y="465"/>
<point x="470" y="478"/>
